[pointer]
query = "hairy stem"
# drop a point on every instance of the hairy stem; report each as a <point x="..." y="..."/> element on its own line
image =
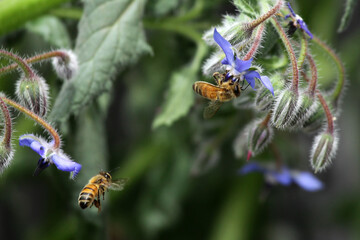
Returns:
<point x="327" y="111"/>
<point x="34" y="59"/>
<point x="314" y="76"/>
<point x="252" y="25"/>
<point x="8" y="125"/>
<point x="256" y="44"/>
<point x="335" y="96"/>
<point x="266" y="120"/>
<point x="36" y="118"/>
<point x="291" y="53"/>
<point x="28" y="72"/>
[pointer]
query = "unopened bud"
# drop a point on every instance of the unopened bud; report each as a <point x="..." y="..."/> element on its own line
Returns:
<point x="260" y="134"/>
<point x="308" y="107"/>
<point x="66" y="65"/>
<point x="323" y="151"/>
<point x="33" y="94"/>
<point x="264" y="99"/>
<point x="6" y="155"/>
<point x="286" y="108"/>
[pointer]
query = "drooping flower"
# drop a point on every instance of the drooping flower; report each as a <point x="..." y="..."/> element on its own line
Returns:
<point x="49" y="155"/>
<point x="239" y="69"/>
<point x="298" y="22"/>
<point x="284" y="176"/>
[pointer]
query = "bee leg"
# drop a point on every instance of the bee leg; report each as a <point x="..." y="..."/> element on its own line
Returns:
<point x="97" y="205"/>
<point x="217" y="77"/>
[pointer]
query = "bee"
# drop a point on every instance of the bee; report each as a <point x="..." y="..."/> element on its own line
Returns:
<point x="97" y="185"/>
<point x="227" y="88"/>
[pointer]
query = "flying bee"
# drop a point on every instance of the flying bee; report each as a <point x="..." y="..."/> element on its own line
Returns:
<point x="97" y="185"/>
<point x="227" y="88"/>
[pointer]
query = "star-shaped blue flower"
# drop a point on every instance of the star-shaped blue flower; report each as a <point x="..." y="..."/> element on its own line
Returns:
<point x="284" y="176"/>
<point x="237" y="68"/>
<point x="298" y="21"/>
<point x="49" y="155"/>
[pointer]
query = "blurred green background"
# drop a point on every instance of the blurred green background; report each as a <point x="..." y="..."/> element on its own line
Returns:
<point x="183" y="182"/>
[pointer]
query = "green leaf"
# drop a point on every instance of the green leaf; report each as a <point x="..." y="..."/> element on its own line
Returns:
<point x="345" y="20"/>
<point x="180" y="98"/>
<point x="110" y="38"/>
<point x="51" y="29"/>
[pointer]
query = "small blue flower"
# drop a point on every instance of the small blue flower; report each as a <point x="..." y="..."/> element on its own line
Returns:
<point x="298" y="21"/>
<point x="49" y="155"/>
<point x="237" y="68"/>
<point x="285" y="177"/>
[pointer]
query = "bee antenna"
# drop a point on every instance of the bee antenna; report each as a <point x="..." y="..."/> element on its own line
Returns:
<point x="114" y="169"/>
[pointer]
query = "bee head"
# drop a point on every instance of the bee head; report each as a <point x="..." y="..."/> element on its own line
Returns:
<point x="106" y="175"/>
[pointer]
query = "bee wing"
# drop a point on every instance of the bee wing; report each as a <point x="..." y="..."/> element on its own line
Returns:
<point x="211" y="109"/>
<point x="118" y="184"/>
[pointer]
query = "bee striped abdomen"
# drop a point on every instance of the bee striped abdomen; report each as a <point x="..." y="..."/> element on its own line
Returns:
<point x="206" y="90"/>
<point x="87" y="195"/>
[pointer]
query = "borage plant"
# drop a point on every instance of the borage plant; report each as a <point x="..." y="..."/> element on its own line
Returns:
<point x="33" y="102"/>
<point x="287" y="96"/>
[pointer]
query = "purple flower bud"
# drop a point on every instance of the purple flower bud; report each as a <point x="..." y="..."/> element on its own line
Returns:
<point x="323" y="150"/>
<point x="66" y="66"/>
<point x="33" y="94"/>
<point x="286" y="108"/>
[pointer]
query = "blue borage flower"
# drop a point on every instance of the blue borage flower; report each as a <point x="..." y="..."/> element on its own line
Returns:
<point x="284" y="176"/>
<point x="298" y="21"/>
<point x="49" y="155"/>
<point x="238" y="69"/>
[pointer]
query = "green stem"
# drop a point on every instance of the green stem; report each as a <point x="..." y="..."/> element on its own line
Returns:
<point x="36" y="118"/>
<point x="291" y="53"/>
<point x="237" y="215"/>
<point x="303" y="50"/>
<point x="192" y="13"/>
<point x="71" y="13"/>
<point x="200" y="53"/>
<point x="8" y="125"/>
<point x="28" y="72"/>
<point x="184" y="29"/>
<point x="37" y="58"/>
<point x="14" y="13"/>
<point x="335" y="96"/>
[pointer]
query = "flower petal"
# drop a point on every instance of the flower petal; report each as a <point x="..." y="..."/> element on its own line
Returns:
<point x="291" y="10"/>
<point x="225" y="46"/>
<point x="250" y="77"/>
<point x="241" y="65"/>
<point x="266" y="82"/>
<point x="282" y="177"/>
<point x="35" y="143"/>
<point x="305" y="28"/>
<point x="65" y="164"/>
<point x="251" y="167"/>
<point x="307" y="181"/>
